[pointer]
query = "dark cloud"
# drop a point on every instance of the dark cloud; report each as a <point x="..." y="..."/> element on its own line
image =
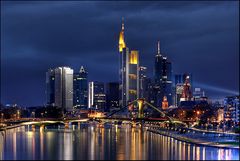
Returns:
<point x="198" y="37"/>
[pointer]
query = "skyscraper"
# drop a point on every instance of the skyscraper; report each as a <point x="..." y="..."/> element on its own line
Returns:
<point x="133" y="76"/>
<point x="96" y="96"/>
<point x="179" y="86"/>
<point x="129" y="72"/>
<point x="143" y="82"/>
<point x="162" y="78"/>
<point x="64" y="88"/>
<point x="80" y="89"/>
<point x="112" y="95"/>
<point x="50" y="86"/>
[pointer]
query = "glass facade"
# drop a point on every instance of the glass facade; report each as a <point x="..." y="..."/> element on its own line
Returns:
<point x="80" y="89"/>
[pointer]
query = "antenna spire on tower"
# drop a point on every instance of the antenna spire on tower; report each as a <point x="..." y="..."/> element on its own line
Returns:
<point x="122" y="23"/>
<point x="158" y="48"/>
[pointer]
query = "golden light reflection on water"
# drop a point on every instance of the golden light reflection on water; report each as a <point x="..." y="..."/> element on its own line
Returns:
<point x="100" y="143"/>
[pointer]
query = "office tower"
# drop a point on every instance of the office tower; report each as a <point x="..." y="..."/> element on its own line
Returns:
<point x="96" y="96"/>
<point x="143" y="83"/>
<point x="232" y="109"/>
<point x="133" y="76"/>
<point x="64" y="88"/>
<point x="129" y="72"/>
<point x="179" y="86"/>
<point x="162" y="78"/>
<point x="80" y="89"/>
<point x="112" y="96"/>
<point x="187" y="91"/>
<point x="50" y="86"/>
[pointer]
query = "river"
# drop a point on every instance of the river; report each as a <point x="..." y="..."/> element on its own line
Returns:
<point x="87" y="141"/>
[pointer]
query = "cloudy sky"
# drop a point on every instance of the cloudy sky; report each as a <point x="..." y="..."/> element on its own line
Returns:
<point x="197" y="37"/>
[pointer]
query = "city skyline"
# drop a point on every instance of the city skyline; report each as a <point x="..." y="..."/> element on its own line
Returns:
<point x="34" y="58"/>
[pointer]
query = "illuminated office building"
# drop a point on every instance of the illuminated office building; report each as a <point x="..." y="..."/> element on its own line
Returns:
<point x="96" y="96"/>
<point x="64" y="88"/>
<point x="80" y="89"/>
<point x="129" y="72"/>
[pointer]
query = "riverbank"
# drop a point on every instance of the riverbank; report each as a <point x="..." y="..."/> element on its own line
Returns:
<point x="196" y="141"/>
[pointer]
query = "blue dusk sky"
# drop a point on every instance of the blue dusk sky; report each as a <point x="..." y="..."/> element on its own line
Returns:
<point x="201" y="38"/>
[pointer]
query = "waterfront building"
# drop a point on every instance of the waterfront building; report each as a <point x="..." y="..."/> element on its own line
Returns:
<point x="112" y="96"/>
<point x="231" y="109"/>
<point x="162" y="78"/>
<point x="50" y="87"/>
<point x="64" y="88"/>
<point x="129" y="72"/>
<point x="80" y="89"/>
<point x="96" y="96"/>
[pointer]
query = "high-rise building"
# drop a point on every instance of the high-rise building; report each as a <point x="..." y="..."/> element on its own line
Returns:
<point x="112" y="96"/>
<point x="64" y="88"/>
<point x="187" y="91"/>
<point x="232" y="109"/>
<point x="129" y="72"/>
<point x="133" y="76"/>
<point x="162" y="78"/>
<point x="179" y="86"/>
<point x="96" y="96"/>
<point x="80" y="89"/>
<point x="50" y="86"/>
<point x="143" y="82"/>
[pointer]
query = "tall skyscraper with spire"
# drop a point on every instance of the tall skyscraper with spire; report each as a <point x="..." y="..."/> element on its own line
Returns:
<point x="128" y="72"/>
<point x="162" y="78"/>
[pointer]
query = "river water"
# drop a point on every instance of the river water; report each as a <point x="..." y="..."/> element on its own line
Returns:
<point x="87" y="141"/>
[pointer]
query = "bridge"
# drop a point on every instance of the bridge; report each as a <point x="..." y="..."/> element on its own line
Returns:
<point x="141" y="103"/>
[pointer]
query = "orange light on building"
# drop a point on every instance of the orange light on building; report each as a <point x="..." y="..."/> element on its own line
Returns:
<point x="164" y="103"/>
<point x="133" y="58"/>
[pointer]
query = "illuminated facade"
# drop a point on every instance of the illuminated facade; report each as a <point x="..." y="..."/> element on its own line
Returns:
<point x="164" y="103"/>
<point x="96" y="96"/>
<point x="129" y="72"/>
<point x="64" y="88"/>
<point x="187" y="92"/>
<point x="232" y="109"/>
<point x="80" y="89"/>
<point x="178" y="86"/>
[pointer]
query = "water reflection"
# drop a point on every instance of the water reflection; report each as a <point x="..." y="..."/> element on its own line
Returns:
<point x="91" y="142"/>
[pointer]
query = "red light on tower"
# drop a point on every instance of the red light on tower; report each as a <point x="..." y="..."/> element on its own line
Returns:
<point x="164" y="103"/>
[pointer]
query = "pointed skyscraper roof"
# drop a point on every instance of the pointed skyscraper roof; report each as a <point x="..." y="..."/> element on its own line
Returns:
<point x="82" y="70"/>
